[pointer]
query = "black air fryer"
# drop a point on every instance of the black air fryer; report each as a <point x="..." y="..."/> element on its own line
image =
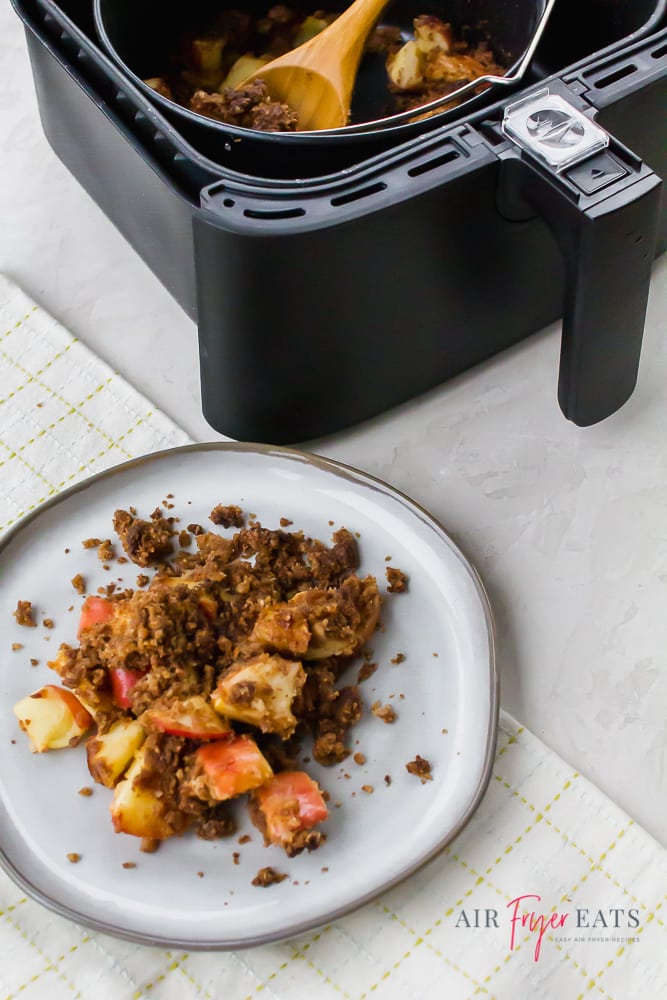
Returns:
<point x="330" y="285"/>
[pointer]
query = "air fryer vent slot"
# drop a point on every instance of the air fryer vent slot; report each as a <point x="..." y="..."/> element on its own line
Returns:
<point x="276" y="214"/>
<point x="659" y="53"/>
<point x="620" y="74"/>
<point x="437" y="161"/>
<point x="365" y="192"/>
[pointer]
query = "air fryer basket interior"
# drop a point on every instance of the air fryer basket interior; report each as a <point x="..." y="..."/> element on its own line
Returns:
<point x="144" y="35"/>
<point x="578" y="28"/>
<point x="574" y="33"/>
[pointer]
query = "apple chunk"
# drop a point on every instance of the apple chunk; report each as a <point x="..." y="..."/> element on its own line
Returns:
<point x="110" y="754"/>
<point x="224" y="770"/>
<point x="279" y="628"/>
<point x="287" y="808"/>
<point x="138" y="810"/>
<point x="192" y="718"/>
<point x="95" y="611"/>
<point x="260" y="691"/>
<point x="52" y="718"/>
<point x="340" y="620"/>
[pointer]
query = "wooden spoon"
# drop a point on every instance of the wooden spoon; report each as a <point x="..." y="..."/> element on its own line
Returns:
<point x="317" y="78"/>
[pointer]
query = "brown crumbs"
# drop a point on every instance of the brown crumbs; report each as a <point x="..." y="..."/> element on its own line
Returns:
<point x="387" y="779"/>
<point x="398" y="581"/>
<point x="227" y="516"/>
<point x="16" y="646"/>
<point x="24" y="614"/>
<point x="268" y="876"/>
<point x="48" y="623"/>
<point x="144" y="542"/>
<point x="359" y="759"/>
<point x="399" y="658"/>
<point x="236" y="857"/>
<point x="366" y="671"/>
<point x="184" y="539"/>
<point x="33" y="662"/>
<point x="91" y="543"/>
<point x="285" y="522"/>
<point x="73" y="858"/>
<point x="86" y="791"/>
<point x="384" y="712"/>
<point x="78" y="583"/>
<point x="419" y="767"/>
<point x="129" y="864"/>
<point x="245" y="839"/>
<point x="368" y="789"/>
<point x="142" y="580"/>
<point x="201" y="875"/>
<point x="195" y="529"/>
<point x="105" y="551"/>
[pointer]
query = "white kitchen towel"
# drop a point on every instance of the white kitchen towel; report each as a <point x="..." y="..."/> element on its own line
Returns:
<point x="551" y="892"/>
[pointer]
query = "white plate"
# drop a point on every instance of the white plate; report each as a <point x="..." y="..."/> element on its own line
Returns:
<point x="448" y="713"/>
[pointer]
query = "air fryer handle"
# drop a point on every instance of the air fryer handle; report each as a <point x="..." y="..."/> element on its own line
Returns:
<point x="604" y="213"/>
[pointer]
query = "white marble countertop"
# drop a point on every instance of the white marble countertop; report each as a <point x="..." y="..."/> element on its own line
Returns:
<point x="567" y="526"/>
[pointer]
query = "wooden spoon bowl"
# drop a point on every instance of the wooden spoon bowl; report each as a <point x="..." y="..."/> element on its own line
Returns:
<point x="317" y="79"/>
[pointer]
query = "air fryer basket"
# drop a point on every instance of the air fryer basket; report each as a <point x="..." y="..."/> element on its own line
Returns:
<point x="142" y="35"/>
<point x="371" y="290"/>
<point x="617" y="21"/>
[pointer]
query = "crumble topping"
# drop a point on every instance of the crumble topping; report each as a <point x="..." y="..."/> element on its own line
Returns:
<point x="421" y="768"/>
<point x="24" y="614"/>
<point x="397" y="580"/>
<point x="229" y="516"/>
<point x="268" y="876"/>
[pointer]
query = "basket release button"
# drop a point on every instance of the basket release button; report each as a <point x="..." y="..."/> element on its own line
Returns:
<point x="594" y="174"/>
<point x="548" y="127"/>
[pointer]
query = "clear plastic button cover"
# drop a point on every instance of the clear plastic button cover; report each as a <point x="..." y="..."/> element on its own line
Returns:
<point x="553" y="130"/>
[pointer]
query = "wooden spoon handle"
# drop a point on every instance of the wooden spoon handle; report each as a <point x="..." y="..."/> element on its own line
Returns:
<point x="336" y="52"/>
<point x="352" y="26"/>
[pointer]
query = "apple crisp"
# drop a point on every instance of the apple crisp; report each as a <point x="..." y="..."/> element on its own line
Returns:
<point x="197" y="688"/>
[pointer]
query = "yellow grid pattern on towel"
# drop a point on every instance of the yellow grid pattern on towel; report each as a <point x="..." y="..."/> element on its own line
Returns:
<point x="542" y="829"/>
